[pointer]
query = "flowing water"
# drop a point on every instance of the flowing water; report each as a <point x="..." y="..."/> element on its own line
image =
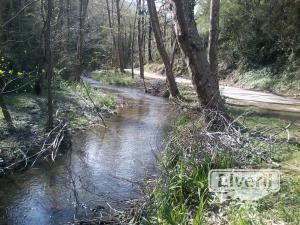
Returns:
<point x="102" y="170"/>
<point x="104" y="166"/>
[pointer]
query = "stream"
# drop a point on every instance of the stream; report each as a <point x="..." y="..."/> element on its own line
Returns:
<point x="102" y="170"/>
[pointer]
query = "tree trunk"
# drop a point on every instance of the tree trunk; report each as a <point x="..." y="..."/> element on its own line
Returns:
<point x="189" y="40"/>
<point x="132" y="43"/>
<point x="214" y="36"/>
<point x="5" y="111"/>
<point x="68" y="44"/>
<point x="175" y="44"/>
<point x="49" y="62"/>
<point x="150" y="58"/>
<point x="82" y="16"/>
<point x="120" y="49"/>
<point x="161" y="48"/>
<point x="110" y="23"/>
<point x="140" y="43"/>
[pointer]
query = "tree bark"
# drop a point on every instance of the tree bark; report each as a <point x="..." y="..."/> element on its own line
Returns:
<point x="205" y="83"/>
<point x="175" y="44"/>
<point x="214" y="36"/>
<point x="68" y="26"/>
<point x="140" y="42"/>
<point x="150" y="58"/>
<point x="120" y="49"/>
<point x="132" y="43"/>
<point x="5" y="111"/>
<point x="161" y="48"/>
<point x="82" y="16"/>
<point x="49" y="62"/>
<point x="110" y="24"/>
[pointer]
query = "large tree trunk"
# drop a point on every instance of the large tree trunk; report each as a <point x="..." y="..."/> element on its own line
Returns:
<point x="161" y="48"/>
<point x="49" y="62"/>
<point x="214" y="36"/>
<point x="206" y="83"/>
<point x="120" y="49"/>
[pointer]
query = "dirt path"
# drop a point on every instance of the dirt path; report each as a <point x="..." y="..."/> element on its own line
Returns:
<point x="239" y="96"/>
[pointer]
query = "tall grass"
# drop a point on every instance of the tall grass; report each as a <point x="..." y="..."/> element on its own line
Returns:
<point x="181" y="196"/>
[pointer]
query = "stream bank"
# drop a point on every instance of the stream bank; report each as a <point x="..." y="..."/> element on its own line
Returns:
<point x="73" y="108"/>
<point x="101" y="173"/>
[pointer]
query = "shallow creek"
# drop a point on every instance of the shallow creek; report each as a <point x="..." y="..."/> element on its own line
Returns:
<point x="104" y="166"/>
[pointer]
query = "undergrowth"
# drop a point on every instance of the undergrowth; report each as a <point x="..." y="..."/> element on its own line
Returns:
<point x="265" y="79"/>
<point x="28" y="111"/>
<point x="113" y="78"/>
<point x="181" y="193"/>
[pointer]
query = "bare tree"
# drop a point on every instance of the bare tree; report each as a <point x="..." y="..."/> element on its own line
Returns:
<point x="206" y="83"/>
<point x="161" y="48"/>
<point x="214" y="36"/>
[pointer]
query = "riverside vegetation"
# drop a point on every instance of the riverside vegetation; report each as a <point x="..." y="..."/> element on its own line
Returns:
<point x="47" y="47"/>
<point x="181" y="196"/>
<point x="73" y="105"/>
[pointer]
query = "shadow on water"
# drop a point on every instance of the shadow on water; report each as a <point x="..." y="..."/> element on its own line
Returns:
<point x="104" y="166"/>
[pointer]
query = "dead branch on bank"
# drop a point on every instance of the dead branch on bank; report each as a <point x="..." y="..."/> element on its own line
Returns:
<point x="245" y="145"/>
<point x="49" y="149"/>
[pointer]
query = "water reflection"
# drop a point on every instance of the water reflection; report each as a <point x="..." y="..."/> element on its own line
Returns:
<point x="103" y="166"/>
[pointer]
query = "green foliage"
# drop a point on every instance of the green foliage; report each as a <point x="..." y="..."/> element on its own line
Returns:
<point x="279" y="208"/>
<point x="102" y="100"/>
<point x="71" y="103"/>
<point x="181" y="197"/>
<point x="259" y="32"/>
<point x="20" y="39"/>
<point x="13" y="80"/>
<point x="265" y="79"/>
<point x="202" y="15"/>
<point x="113" y="78"/>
